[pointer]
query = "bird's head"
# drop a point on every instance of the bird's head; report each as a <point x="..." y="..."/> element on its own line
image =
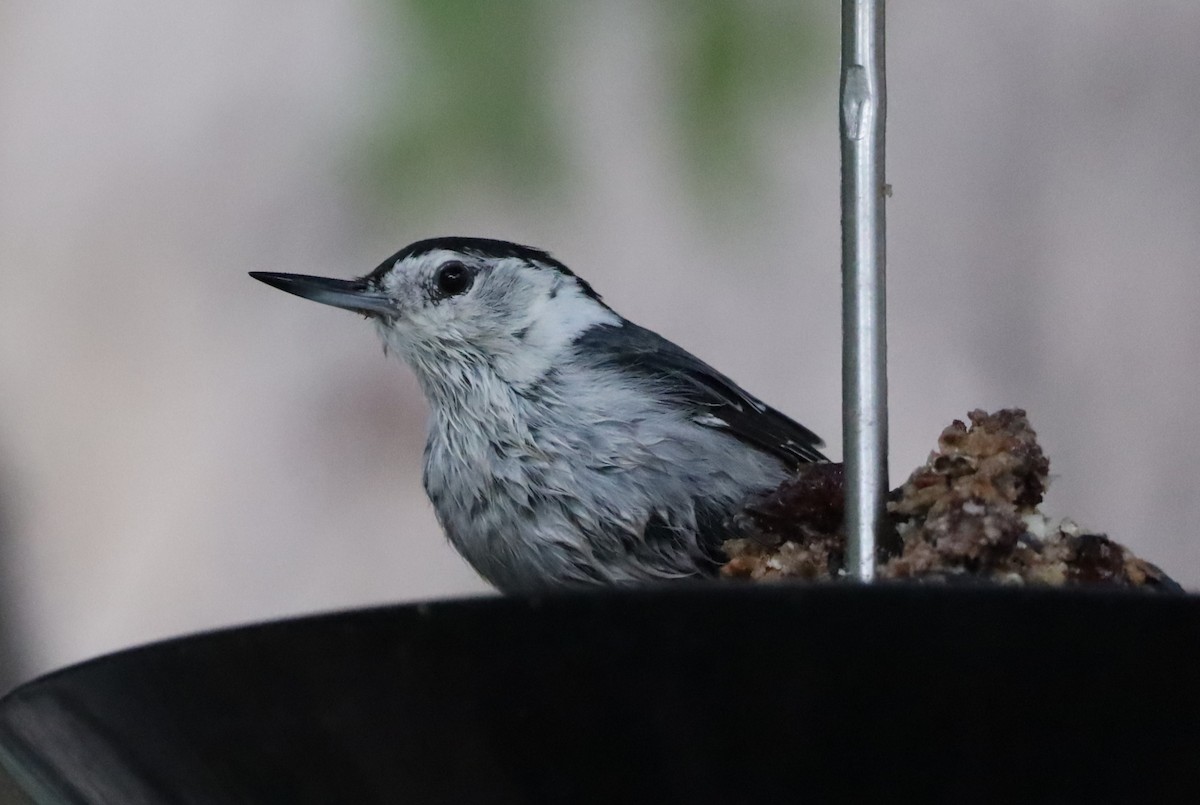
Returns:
<point x="449" y="304"/>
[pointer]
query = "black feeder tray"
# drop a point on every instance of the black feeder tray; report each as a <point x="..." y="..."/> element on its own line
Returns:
<point x="722" y="694"/>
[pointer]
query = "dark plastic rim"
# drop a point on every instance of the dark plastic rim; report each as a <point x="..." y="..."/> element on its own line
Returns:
<point x="706" y="694"/>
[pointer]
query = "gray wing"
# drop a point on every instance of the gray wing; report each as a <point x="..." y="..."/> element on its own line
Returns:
<point x="717" y="401"/>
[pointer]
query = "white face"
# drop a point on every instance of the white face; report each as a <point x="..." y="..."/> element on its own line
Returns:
<point x="457" y="308"/>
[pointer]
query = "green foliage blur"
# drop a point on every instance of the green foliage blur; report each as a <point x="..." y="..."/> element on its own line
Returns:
<point x="737" y="61"/>
<point x="473" y="96"/>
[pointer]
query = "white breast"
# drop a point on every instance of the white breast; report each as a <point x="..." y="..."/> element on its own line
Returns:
<point x="555" y="484"/>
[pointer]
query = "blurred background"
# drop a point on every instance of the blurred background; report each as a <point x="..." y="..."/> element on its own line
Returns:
<point x="183" y="448"/>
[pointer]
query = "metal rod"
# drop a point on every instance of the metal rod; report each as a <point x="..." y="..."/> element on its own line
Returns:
<point x="864" y="336"/>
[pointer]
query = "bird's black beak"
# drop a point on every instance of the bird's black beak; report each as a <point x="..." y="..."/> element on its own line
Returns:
<point x="347" y="294"/>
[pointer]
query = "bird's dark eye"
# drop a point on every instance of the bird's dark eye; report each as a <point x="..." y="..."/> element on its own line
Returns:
<point x="453" y="278"/>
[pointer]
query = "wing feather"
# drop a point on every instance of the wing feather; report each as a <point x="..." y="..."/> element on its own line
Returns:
<point x="717" y="401"/>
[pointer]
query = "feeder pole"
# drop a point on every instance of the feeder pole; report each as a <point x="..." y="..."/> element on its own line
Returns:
<point x="864" y="335"/>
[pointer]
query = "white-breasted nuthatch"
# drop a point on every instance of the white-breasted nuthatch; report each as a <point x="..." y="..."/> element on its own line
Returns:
<point x="566" y="445"/>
